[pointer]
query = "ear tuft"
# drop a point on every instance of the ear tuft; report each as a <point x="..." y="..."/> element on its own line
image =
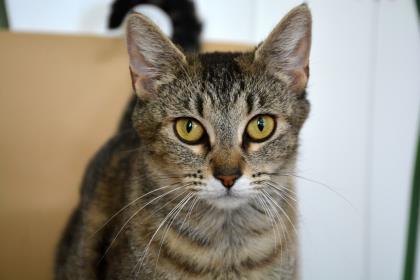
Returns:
<point x="153" y="57"/>
<point x="286" y="50"/>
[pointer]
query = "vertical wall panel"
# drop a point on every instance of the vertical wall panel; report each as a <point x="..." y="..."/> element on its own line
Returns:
<point x="335" y="139"/>
<point x="395" y="127"/>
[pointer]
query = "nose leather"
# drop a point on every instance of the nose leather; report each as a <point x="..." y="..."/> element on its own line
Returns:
<point x="226" y="165"/>
<point x="227" y="180"/>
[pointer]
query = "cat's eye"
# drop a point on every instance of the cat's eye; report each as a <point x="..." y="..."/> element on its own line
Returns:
<point x="189" y="130"/>
<point x="260" y="128"/>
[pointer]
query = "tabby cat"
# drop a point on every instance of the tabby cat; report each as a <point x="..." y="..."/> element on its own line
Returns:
<point x="198" y="184"/>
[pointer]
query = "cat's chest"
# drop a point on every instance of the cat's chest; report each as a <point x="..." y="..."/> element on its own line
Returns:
<point x="257" y="257"/>
<point x="223" y="251"/>
<point x="212" y="245"/>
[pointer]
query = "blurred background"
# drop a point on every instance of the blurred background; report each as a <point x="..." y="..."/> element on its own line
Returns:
<point x="358" y="146"/>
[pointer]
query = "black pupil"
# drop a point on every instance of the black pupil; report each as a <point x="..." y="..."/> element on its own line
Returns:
<point x="260" y="123"/>
<point x="189" y="126"/>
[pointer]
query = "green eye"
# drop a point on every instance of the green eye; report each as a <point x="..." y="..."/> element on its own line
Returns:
<point x="189" y="130"/>
<point x="260" y="128"/>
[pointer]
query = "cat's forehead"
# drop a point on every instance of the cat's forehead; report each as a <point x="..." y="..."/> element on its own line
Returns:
<point x="217" y="64"/>
<point x="224" y="85"/>
<point x="231" y="79"/>
<point x="222" y="79"/>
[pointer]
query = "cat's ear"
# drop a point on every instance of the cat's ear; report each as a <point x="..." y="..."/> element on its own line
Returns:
<point x="153" y="57"/>
<point x="285" y="52"/>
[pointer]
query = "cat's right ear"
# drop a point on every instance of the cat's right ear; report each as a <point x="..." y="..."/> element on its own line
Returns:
<point x="153" y="57"/>
<point x="285" y="53"/>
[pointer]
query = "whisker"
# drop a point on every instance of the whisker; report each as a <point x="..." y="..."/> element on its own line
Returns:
<point x="284" y="191"/>
<point x="169" y="226"/>
<point x="321" y="184"/>
<point x="168" y="177"/>
<point x="141" y="260"/>
<point x="132" y="216"/>
<point x="196" y="199"/>
<point x="274" y="183"/>
<point x="128" y="205"/>
<point x="129" y="151"/>
<point x="284" y="195"/>
<point x="281" y="209"/>
<point x="179" y="176"/>
<point x="283" y="226"/>
<point x="269" y="214"/>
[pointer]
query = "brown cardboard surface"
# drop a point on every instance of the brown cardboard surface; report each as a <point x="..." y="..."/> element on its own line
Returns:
<point x="60" y="99"/>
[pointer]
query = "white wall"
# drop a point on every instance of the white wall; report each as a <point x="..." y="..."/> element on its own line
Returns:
<point x="394" y="131"/>
<point x="335" y="139"/>
<point x="70" y="16"/>
<point x="360" y="137"/>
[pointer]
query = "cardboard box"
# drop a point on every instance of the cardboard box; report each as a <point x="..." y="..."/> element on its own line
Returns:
<point x="61" y="99"/>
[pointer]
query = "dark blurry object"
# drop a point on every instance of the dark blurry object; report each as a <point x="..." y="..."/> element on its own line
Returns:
<point x="186" y="25"/>
<point x="418" y="6"/>
<point x="4" y="23"/>
<point x="413" y="224"/>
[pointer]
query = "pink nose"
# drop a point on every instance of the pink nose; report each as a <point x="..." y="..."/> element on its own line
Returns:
<point x="228" y="180"/>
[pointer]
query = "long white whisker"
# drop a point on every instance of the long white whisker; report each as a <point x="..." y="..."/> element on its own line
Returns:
<point x="169" y="226"/>
<point x="132" y="216"/>
<point x="281" y="209"/>
<point x="189" y="211"/>
<point x="269" y="214"/>
<point x="128" y="205"/>
<point x="170" y="201"/>
<point x="281" y="193"/>
<point x="283" y="189"/>
<point x="146" y="250"/>
<point x="321" y="184"/>
<point x="283" y="234"/>
<point x="285" y="196"/>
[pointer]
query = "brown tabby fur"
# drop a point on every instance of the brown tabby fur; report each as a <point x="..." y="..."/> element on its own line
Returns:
<point x="147" y="208"/>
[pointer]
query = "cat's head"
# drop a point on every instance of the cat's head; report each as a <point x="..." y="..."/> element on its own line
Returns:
<point x="221" y="125"/>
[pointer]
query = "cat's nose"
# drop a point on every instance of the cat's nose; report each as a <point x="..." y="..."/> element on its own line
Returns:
<point x="228" y="180"/>
<point x="226" y="168"/>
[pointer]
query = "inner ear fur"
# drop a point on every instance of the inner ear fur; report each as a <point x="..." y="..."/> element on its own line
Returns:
<point x="285" y="52"/>
<point x="153" y="57"/>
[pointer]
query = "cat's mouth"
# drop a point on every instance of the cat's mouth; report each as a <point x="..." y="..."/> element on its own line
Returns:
<point x="221" y="197"/>
<point x="227" y="199"/>
<point x="228" y="194"/>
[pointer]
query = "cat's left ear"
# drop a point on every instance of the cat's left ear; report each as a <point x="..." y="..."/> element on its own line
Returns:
<point x="285" y="52"/>
<point x="154" y="59"/>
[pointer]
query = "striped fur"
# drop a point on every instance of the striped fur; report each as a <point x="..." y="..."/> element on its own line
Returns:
<point x="151" y="207"/>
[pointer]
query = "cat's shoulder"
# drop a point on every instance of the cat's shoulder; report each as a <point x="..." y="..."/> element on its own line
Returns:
<point x="110" y="165"/>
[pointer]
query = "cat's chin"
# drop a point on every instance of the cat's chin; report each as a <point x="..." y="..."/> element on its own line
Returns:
<point x="219" y="197"/>
<point x="227" y="201"/>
